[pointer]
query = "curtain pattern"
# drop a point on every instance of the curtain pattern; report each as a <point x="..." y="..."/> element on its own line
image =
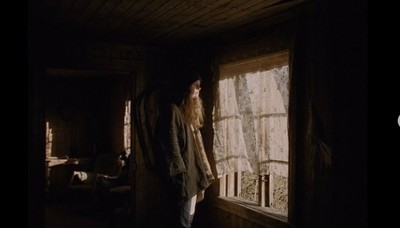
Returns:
<point x="250" y="120"/>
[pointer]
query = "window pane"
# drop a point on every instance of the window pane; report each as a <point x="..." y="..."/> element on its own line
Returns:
<point x="251" y="129"/>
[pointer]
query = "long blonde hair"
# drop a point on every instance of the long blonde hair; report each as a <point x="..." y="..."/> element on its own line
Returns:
<point x="193" y="111"/>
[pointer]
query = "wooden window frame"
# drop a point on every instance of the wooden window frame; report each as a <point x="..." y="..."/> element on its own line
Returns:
<point x="229" y="188"/>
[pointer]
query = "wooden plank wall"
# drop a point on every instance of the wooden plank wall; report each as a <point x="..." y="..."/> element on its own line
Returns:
<point x="216" y="217"/>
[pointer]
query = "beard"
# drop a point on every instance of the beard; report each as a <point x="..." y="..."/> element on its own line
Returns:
<point x="193" y="111"/>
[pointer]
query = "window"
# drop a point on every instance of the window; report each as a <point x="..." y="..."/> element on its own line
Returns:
<point x="127" y="127"/>
<point x="49" y="139"/>
<point x="250" y="121"/>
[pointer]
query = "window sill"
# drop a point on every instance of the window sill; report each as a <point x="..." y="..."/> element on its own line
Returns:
<point x="252" y="212"/>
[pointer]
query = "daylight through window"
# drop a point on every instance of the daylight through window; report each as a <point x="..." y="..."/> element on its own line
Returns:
<point x="127" y="127"/>
<point x="250" y="121"/>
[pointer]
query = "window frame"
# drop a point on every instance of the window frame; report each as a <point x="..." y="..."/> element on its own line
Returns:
<point x="251" y="211"/>
<point x="228" y="199"/>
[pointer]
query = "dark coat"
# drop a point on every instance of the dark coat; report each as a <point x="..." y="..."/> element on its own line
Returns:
<point x="177" y="156"/>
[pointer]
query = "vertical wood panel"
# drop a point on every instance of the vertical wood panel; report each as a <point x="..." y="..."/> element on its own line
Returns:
<point x="231" y="184"/>
<point x="238" y="179"/>
<point x="261" y="190"/>
<point x="216" y="217"/>
<point x="222" y="185"/>
<point x="247" y="224"/>
<point x="241" y="222"/>
<point x="234" y="221"/>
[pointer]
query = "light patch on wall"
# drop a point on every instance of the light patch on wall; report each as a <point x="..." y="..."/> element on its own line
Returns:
<point x="127" y="128"/>
<point x="49" y="140"/>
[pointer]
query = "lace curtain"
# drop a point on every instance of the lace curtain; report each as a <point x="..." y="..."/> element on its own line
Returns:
<point x="250" y="117"/>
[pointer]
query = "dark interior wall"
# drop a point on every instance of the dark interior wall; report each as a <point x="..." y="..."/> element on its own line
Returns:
<point x="271" y="39"/>
<point x="86" y="114"/>
<point x="347" y="44"/>
<point x="169" y="59"/>
<point x="312" y="106"/>
<point x="46" y="53"/>
<point x="79" y="113"/>
<point x="36" y="130"/>
<point x="87" y="86"/>
<point x="329" y="66"/>
<point x="120" y="94"/>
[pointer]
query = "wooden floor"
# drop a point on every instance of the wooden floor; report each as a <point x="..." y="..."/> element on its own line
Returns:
<point x="62" y="213"/>
<point x="61" y="216"/>
<point x="82" y="215"/>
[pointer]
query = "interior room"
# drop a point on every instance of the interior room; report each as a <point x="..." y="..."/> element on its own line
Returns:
<point x="284" y="90"/>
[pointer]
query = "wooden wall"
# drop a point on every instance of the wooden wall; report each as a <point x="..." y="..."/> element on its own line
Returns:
<point x="78" y="112"/>
<point x="330" y="67"/>
<point x="73" y="58"/>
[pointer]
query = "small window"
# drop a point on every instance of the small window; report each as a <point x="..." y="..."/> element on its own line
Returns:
<point x="49" y="140"/>
<point x="127" y="127"/>
<point x="250" y="121"/>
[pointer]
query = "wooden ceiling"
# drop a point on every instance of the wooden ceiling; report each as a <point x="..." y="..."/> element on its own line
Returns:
<point x="151" y="21"/>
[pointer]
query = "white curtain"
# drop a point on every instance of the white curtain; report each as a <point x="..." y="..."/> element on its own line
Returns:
<point x="250" y="118"/>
